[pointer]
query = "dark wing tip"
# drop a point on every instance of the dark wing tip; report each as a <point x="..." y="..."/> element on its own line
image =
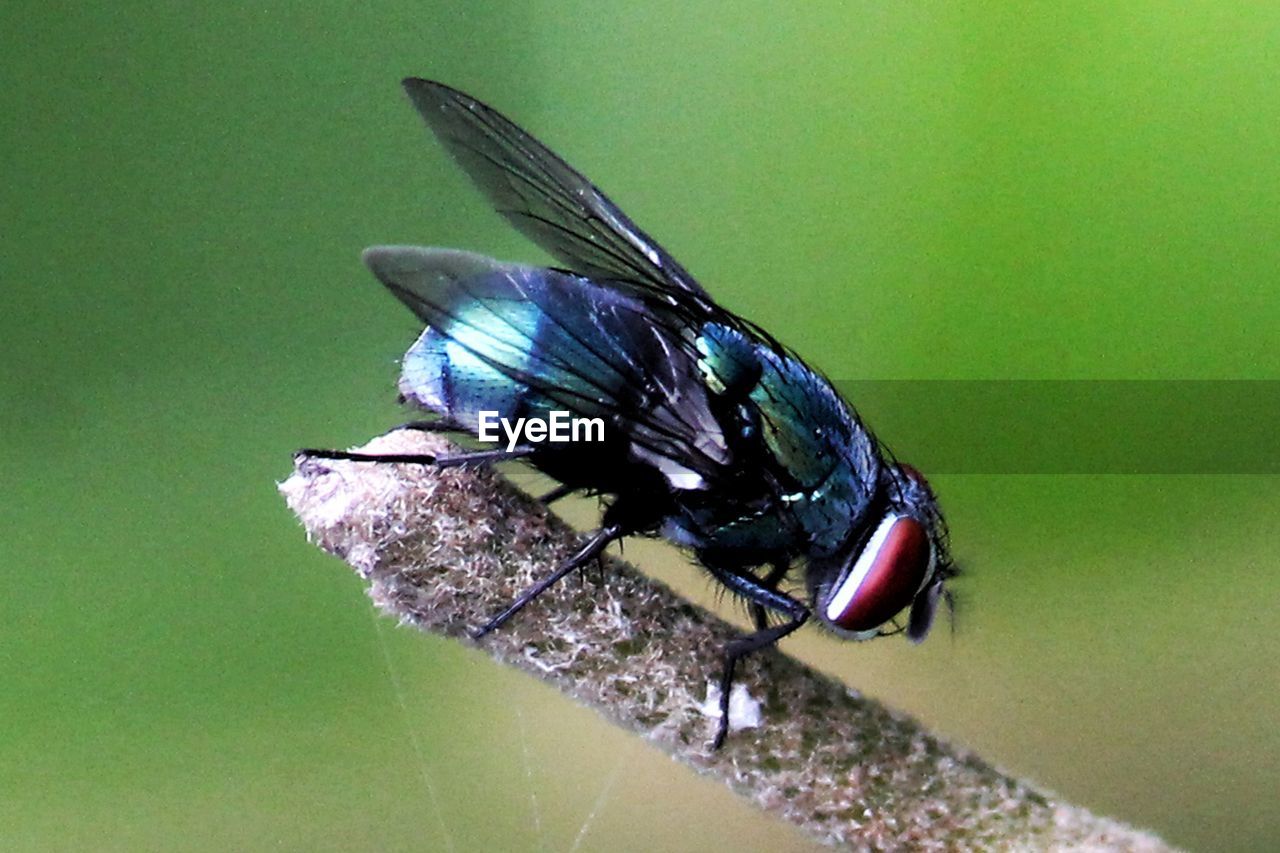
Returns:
<point x="424" y="93"/>
<point x="412" y="84"/>
<point x="544" y="197"/>
<point x="429" y="93"/>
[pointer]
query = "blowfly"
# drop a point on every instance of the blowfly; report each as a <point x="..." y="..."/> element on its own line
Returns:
<point x="715" y="436"/>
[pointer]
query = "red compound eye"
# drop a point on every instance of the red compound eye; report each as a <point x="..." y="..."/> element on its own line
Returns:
<point x="913" y="473"/>
<point x="895" y="563"/>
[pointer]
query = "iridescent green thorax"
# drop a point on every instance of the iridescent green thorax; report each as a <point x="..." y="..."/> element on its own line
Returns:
<point x="820" y="457"/>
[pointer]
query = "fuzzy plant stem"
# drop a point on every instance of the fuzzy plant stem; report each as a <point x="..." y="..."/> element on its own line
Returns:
<point x="445" y="549"/>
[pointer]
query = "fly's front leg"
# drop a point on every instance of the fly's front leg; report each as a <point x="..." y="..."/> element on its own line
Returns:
<point x="770" y="582"/>
<point x="754" y="590"/>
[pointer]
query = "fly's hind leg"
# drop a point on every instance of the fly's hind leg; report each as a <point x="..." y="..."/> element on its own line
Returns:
<point x="442" y="425"/>
<point x="438" y="425"/>
<point x="469" y="457"/>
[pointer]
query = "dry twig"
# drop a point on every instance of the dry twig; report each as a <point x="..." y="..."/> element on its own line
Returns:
<point x="445" y="549"/>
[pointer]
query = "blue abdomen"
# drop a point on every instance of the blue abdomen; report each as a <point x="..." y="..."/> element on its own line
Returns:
<point x="494" y="346"/>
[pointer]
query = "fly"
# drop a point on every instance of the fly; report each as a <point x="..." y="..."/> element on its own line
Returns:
<point x="715" y="436"/>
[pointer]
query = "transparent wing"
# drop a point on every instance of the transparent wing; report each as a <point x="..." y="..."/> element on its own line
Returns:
<point x="563" y="342"/>
<point x="544" y="197"/>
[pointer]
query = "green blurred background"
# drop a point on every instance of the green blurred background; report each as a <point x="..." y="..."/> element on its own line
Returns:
<point x="898" y="190"/>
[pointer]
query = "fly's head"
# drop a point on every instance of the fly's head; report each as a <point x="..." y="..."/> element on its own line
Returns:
<point x="898" y="559"/>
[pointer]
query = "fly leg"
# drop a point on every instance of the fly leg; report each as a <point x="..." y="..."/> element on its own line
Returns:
<point x="754" y="590"/>
<point x="470" y="457"/>
<point x="440" y="425"/>
<point x="561" y="491"/>
<point x="593" y="548"/>
<point x="770" y="582"/>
